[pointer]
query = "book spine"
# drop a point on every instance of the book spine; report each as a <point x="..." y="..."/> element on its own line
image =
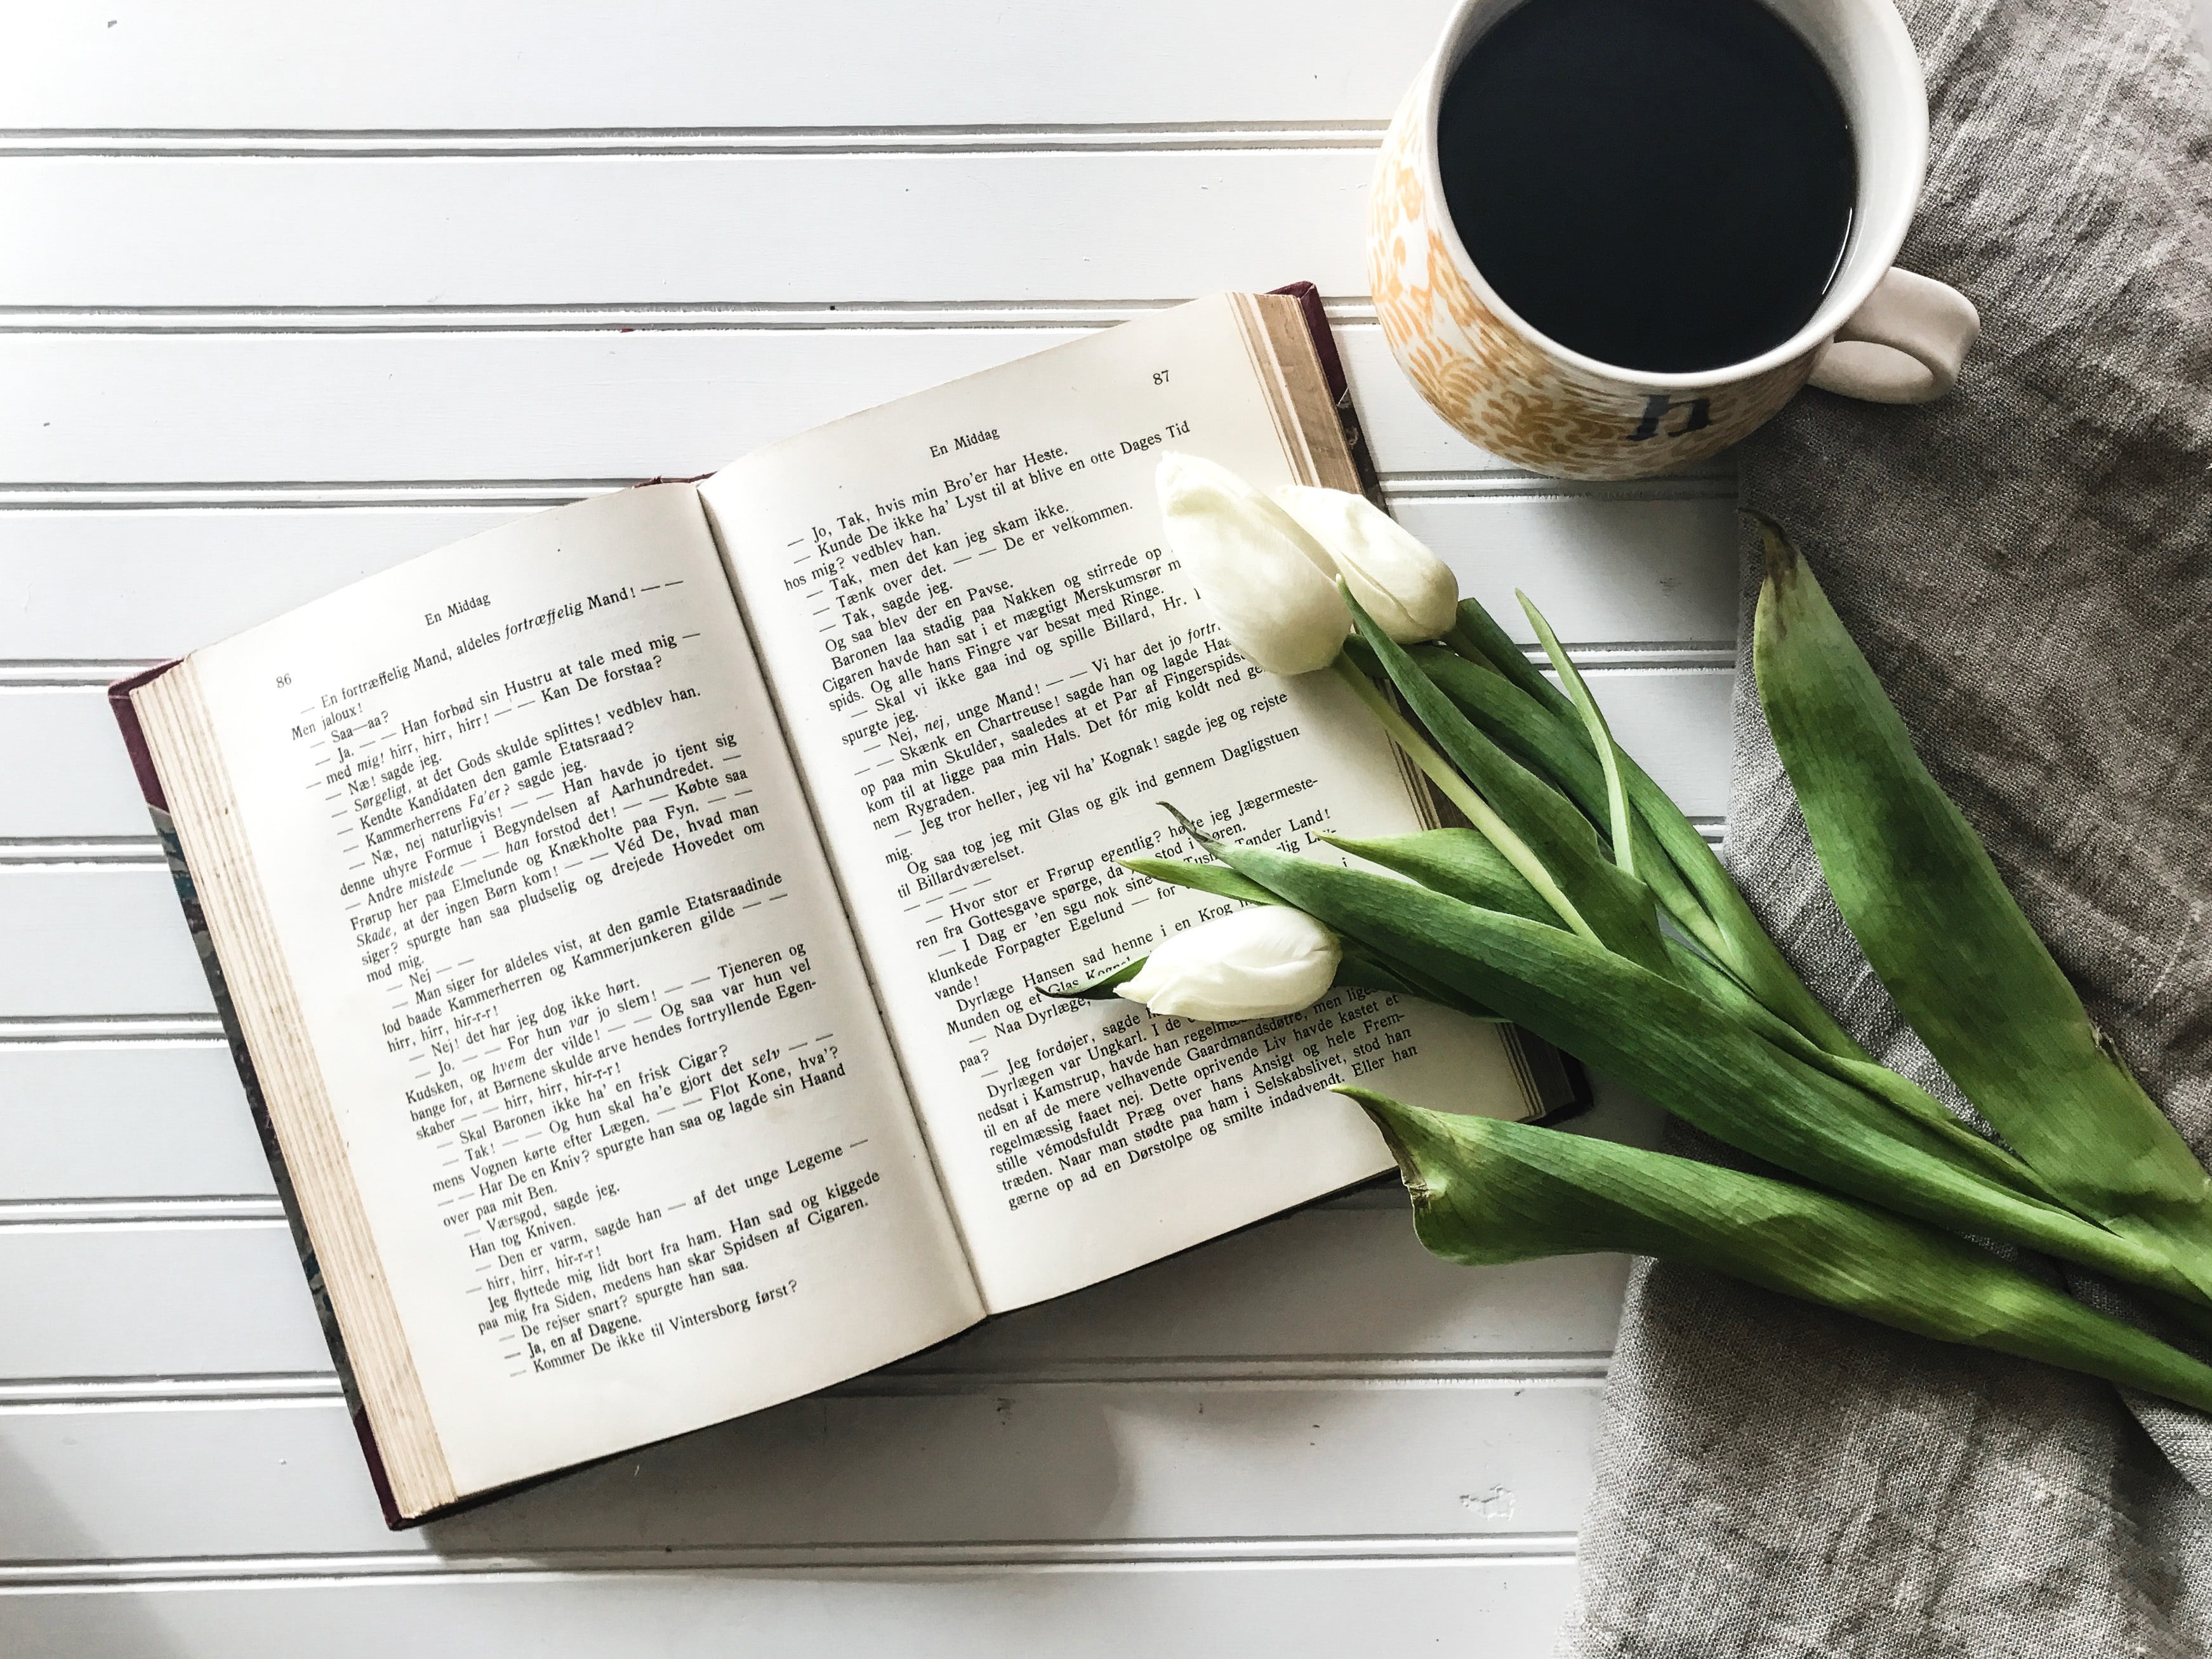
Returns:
<point x="157" y="805"/>
<point x="1340" y="388"/>
<point x="1555" y="1083"/>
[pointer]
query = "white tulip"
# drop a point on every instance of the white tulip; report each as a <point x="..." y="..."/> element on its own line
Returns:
<point x="1409" y="590"/>
<point x="1268" y="584"/>
<point x="1250" y="964"/>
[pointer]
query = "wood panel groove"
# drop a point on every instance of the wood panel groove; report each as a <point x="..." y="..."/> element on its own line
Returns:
<point x="1604" y="656"/>
<point x="49" y="1393"/>
<point x="247" y="1390"/>
<point x="60" y="852"/>
<point x="618" y="316"/>
<point x="1348" y="1550"/>
<point x="309" y="143"/>
<point x="72" y="1214"/>
<point x="34" y="495"/>
<point x="1510" y="1370"/>
<point x="112" y="1030"/>
<point x="861" y="317"/>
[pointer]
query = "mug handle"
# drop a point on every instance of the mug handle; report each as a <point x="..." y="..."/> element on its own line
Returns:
<point x="1904" y="345"/>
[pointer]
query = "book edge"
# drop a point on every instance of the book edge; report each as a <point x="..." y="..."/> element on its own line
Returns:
<point x="150" y="784"/>
<point x="1532" y="1057"/>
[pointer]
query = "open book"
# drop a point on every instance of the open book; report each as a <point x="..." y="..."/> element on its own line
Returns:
<point x="630" y="919"/>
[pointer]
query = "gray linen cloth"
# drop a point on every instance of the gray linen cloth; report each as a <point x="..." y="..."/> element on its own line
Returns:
<point x="2026" y="565"/>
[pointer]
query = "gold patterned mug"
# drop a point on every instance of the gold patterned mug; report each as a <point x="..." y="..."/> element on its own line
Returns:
<point x="1879" y="333"/>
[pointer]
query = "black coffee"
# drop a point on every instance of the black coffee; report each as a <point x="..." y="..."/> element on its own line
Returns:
<point x="1662" y="184"/>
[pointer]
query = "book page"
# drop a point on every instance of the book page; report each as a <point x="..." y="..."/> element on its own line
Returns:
<point x="992" y="674"/>
<point x="628" y="1132"/>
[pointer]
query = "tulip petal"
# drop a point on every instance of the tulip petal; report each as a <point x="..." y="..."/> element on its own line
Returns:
<point x="1409" y="590"/>
<point x="1250" y="964"/>
<point x="1358" y="967"/>
<point x="1262" y="577"/>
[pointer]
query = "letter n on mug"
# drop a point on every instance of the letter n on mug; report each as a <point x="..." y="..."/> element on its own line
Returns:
<point x="1590" y="293"/>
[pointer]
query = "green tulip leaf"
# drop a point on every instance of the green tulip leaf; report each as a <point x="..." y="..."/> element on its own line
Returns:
<point x="1216" y="879"/>
<point x="1596" y="733"/>
<point x="1668" y="1042"/>
<point x="1460" y="862"/>
<point x="1479" y="639"/>
<point x="1698" y="894"/>
<point x="1619" y="909"/>
<point x="1485" y="1192"/>
<point x="1944" y="936"/>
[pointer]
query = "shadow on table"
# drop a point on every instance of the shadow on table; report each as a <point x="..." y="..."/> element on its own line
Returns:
<point x="1087" y="1419"/>
<point x="1150" y="1406"/>
<point x="40" y="1528"/>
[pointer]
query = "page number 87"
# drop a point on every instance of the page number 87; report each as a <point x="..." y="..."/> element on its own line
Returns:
<point x="1160" y="378"/>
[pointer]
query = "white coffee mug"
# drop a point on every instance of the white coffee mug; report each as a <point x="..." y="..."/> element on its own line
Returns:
<point x="1879" y="333"/>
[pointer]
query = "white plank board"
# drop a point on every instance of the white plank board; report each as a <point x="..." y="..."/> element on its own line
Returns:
<point x="105" y="585"/>
<point x="1287" y="1610"/>
<point x="174" y="1300"/>
<point x="1354" y="1286"/>
<point x="509" y="64"/>
<point x="1605" y="571"/>
<point x="140" y="584"/>
<point x="296" y="292"/>
<point x="125" y="1121"/>
<point x="604" y="403"/>
<point x="1026" y="1462"/>
<point x="72" y="778"/>
<point x="1349" y="1287"/>
<point x="93" y="941"/>
<point x="678" y="229"/>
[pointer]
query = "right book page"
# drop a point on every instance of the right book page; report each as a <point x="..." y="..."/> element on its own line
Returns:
<point x="993" y="673"/>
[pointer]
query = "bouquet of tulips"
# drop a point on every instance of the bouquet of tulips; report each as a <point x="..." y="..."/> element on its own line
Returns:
<point x="1582" y="905"/>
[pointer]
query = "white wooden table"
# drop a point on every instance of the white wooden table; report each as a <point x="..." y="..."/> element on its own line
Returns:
<point x="287" y="294"/>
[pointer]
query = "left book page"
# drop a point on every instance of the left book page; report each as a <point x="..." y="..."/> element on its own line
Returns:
<point x="537" y="906"/>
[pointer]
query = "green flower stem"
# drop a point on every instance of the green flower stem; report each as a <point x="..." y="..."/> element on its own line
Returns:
<point x="1456" y="790"/>
<point x="1620" y="824"/>
<point x="1541" y="729"/>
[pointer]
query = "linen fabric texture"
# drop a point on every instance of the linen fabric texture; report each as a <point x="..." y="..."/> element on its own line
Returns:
<point x="2027" y="565"/>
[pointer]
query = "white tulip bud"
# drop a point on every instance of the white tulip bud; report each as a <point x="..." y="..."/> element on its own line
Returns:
<point x="1409" y="590"/>
<point x="1268" y="584"/>
<point x="1250" y="964"/>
